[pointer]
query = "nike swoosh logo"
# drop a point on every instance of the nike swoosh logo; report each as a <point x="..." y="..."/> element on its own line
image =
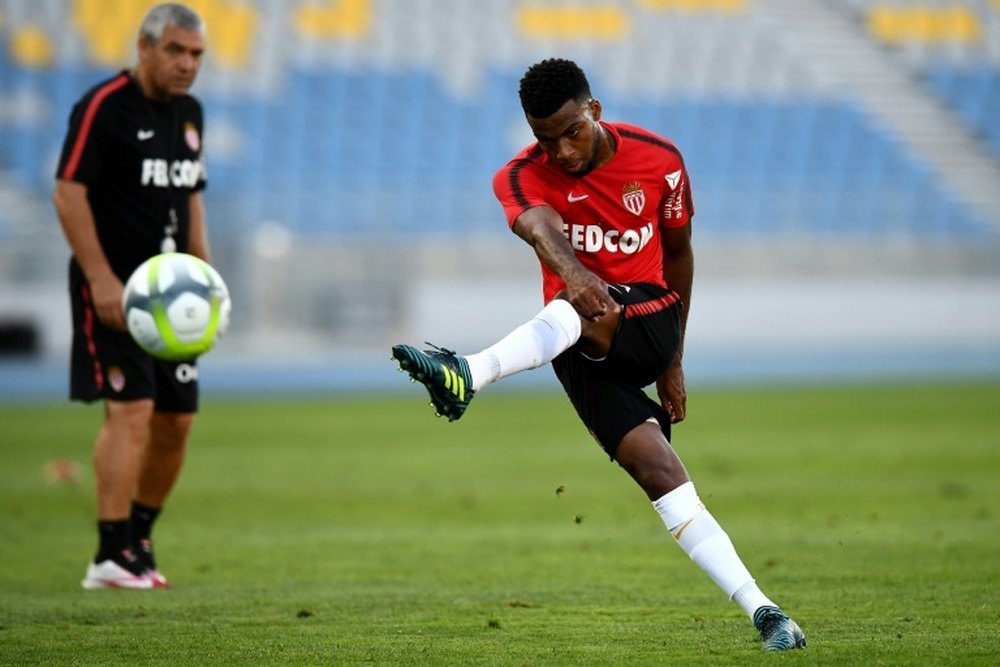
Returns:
<point x="142" y="135"/>
<point x="679" y="530"/>
<point x="571" y="198"/>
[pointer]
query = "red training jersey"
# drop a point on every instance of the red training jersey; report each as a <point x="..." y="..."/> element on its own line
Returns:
<point x="613" y="216"/>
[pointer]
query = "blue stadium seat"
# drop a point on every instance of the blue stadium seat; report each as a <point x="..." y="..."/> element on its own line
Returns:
<point x="973" y="92"/>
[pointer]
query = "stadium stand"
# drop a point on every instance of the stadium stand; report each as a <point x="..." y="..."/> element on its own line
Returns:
<point x="953" y="46"/>
<point x="346" y="144"/>
<point x="361" y="121"/>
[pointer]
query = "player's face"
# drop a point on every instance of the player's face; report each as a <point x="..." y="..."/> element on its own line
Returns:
<point x="572" y="136"/>
<point x="172" y="63"/>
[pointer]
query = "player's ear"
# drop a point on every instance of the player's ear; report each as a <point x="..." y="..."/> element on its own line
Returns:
<point x="143" y="46"/>
<point x="595" y="108"/>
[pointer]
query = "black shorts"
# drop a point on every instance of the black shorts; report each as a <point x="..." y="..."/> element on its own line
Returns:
<point x="108" y="364"/>
<point x="608" y="394"/>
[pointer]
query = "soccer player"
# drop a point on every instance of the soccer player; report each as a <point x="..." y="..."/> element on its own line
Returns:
<point x="607" y="208"/>
<point x="128" y="187"/>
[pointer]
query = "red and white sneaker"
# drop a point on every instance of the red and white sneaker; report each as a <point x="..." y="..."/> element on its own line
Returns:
<point x="109" y="574"/>
<point x="144" y="555"/>
<point x="159" y="581"/>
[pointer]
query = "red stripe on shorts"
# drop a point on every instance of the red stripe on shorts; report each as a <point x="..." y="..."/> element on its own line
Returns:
<point x="88" y="332"/>
<point x="645" y="308"/>
<point x="88" y="120"/>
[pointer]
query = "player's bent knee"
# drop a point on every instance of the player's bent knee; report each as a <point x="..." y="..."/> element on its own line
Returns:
<point x="562" y="318"/>
<point x="173" y="426"/>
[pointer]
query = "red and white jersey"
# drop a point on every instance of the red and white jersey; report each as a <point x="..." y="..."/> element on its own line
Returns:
<point x="612" y="216"/>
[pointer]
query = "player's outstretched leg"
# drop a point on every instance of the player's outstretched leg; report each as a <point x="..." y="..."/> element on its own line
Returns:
<point x="445" y="374"/>
<point x="777" y="631"/>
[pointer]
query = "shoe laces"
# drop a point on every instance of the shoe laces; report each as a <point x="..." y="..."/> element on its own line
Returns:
<point x="442" y="350"/>
<point x="767" y="619"/>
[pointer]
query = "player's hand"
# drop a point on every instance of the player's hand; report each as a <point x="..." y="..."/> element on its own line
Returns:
<point x="106" y="294"/>
<point x="672" y="393"/>
<point x="589" y="296"/>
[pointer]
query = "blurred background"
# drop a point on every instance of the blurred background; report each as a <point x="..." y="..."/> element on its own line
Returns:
<point x="844" y="156"/>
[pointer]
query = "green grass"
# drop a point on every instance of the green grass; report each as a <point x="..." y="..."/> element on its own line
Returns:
<point x="365" y="531"/>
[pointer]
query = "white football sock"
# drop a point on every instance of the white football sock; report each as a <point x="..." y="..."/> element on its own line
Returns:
<point x="702" y="538"/>
<point x="553" y="330"/>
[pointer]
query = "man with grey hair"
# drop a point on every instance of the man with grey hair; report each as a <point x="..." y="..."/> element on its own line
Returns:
<point x="128" y="187"/>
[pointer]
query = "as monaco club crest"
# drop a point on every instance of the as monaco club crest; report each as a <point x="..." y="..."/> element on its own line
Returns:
<point x="116" y="378"/>
<point x="634" y="197"/>
<point x="191" y="137"/>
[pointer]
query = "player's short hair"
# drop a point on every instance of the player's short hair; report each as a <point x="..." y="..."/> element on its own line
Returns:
<point x="548" y="85"/>
<point x="169" y="13"/>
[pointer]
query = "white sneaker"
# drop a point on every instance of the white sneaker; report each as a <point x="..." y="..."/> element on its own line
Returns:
<point x="109" y="574"/>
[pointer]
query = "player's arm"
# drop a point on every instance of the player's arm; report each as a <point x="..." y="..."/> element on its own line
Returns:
<point x="541" y="228"/>
<point x="197" y="234"/>
<point x="678" y="271"/>
<point x="78" y="225"/>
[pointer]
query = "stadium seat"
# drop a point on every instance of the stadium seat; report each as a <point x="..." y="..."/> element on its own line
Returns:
<point x="924" y="23"/>
<point x="337" y="19"/>
<point x="692" y="6"/>
<point x="573" y="22"/>
<point x="973" y="93"/>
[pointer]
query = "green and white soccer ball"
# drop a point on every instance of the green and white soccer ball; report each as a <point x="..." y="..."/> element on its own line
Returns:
<point x="176" y="306"/>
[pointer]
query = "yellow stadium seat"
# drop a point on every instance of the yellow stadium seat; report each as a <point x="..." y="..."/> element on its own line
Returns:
<point x="693" y="6"/>
<point x="336" y="19"/>
<point x="231" y="30"/>
<point x="894" y="25"/>
<point x="230" y="42"/>
<point x="606" y="22"/>
<point x="111" y="31"/>
<point x="31" y="47"/>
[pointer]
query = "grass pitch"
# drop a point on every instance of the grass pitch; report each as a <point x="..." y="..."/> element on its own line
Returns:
<point x="364" y="531"/>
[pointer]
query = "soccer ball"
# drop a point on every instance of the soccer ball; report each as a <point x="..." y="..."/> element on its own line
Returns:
<point x="176" y="306"/>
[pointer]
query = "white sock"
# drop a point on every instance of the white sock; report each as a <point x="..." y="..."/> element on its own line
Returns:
<point x="702" y="538"/>
<point x="553" y="330"/>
